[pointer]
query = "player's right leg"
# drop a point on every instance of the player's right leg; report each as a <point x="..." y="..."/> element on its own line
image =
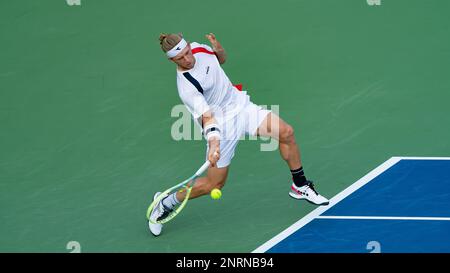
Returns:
<point x="215" y="178"/>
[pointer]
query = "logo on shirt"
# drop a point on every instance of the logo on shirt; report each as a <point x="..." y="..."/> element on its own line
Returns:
<point x="207" y="69"/>
<point x="178" y="48"/>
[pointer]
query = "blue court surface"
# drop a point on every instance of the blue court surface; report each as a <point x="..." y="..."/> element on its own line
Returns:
<point x="402" y="206"/>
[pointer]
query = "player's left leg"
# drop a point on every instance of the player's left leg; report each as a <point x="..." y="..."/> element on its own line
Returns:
<point x="273" y="126"/>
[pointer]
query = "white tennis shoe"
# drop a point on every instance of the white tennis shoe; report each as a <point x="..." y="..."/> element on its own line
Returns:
<point x="156" y="213"/>
<point x="308" y="193"/>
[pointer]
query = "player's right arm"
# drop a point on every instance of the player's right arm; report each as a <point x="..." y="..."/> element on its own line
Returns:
<point x="212" y="136"/>
<point x="199" y="108"/>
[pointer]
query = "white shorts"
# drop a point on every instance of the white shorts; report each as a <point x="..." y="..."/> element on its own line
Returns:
<point x="246" y="122"/>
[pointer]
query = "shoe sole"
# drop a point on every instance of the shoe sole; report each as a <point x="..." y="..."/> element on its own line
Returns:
<point x="321" y="204"/>
<point x="154" y="235"/>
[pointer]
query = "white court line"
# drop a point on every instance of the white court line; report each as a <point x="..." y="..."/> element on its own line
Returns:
<point x="422" y="158"/>
<point x="336" y="199"/>
<point x="385" y="218"/>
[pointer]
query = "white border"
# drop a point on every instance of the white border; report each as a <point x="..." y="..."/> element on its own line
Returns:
<point x="385" y="218"/>
<point x="421" y="158"/>
<point x="336" y="199"/>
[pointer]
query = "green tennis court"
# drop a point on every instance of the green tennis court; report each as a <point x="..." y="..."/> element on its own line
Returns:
<point x="86" y="96"/>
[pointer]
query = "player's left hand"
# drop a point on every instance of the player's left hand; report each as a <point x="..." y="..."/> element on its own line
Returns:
<point x="214" y="43"/>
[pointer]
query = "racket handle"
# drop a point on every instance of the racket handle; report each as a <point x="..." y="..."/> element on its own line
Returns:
<point x="203" y="168"/>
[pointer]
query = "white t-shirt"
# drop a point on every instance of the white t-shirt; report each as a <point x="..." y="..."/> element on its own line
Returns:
<point x="207" y="87"/>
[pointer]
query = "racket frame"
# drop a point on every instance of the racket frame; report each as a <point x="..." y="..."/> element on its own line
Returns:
<point x="184" y="185"/>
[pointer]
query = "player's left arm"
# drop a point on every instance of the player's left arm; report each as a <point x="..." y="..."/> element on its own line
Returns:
<point x="217" y="48"/>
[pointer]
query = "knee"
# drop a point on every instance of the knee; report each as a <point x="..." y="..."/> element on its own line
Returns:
<point x="215" y="184"/>
<point x="220" y="184"/>
<point x="287" y="134"/>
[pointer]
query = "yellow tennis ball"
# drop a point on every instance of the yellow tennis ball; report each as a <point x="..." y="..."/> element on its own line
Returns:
<point x="216" y="194"/>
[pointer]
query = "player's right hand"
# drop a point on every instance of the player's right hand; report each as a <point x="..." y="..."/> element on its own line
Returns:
<point x="214" y="153"/>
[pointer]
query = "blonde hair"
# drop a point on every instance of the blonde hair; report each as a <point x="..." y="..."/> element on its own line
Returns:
<point x="169" y="41"/>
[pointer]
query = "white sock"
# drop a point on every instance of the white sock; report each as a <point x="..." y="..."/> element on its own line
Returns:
<point x="171" y="201"/>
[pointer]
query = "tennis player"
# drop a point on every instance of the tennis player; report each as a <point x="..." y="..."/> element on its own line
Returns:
<point x="225" y="114"/>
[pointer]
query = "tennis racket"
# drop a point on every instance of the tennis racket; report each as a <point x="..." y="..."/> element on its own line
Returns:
<point x="187" y="185"/>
